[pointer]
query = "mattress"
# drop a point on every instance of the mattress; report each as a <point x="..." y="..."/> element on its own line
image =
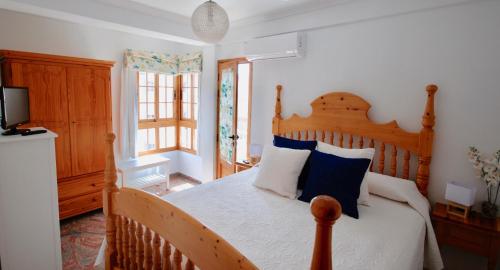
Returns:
<point x="278" y="233"/>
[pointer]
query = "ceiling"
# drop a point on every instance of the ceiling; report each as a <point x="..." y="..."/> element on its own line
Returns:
<point x="170" y="19"/>
<point x="240" y="9"/>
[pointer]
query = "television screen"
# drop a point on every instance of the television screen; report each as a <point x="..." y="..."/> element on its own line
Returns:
<point x="15" y="106"/>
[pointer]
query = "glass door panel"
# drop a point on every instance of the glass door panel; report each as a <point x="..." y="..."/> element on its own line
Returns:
<point x="226" y="146"/>
<point x="243" y="114"/>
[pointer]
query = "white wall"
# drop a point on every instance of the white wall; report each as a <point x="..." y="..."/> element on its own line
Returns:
<point x="388" y="61"/>
<point x="208" y="111"/>
<point x="43" y="35"/>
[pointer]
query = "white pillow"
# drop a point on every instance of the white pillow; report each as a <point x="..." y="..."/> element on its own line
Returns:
<point x="392" y="188"/>
<point x="364" y="196"/>
<point x="279" y="170"/>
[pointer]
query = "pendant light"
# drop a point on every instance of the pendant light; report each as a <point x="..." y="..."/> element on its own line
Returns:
<point x="210" y="22"/>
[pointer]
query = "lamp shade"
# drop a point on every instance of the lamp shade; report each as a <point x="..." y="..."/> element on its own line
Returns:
<point x="255" y="150"/>
<point x="210" y="22"/>
<point x="460" y="194"/>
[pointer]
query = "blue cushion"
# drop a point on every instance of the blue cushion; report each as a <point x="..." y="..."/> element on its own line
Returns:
<point x="337" y="177"/>
<point x="299" y="145"/>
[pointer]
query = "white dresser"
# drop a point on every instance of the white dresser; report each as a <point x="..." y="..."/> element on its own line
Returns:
<point x="29" y="213"/>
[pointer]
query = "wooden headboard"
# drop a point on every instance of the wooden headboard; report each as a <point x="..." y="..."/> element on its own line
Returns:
<point x="341" y="119"/>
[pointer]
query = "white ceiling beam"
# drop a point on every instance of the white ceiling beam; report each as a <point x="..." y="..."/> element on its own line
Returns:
<point x="333" y="15"/>
<point x="103" y="15"/>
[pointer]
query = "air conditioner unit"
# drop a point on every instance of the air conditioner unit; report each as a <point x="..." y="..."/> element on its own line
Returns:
<point x="275" y="47"/>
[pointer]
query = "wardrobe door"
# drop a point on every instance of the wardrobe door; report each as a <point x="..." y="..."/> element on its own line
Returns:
<point x="48" y="105"/>
<point x="87" y="94"/>
<point x="63" y="148"/>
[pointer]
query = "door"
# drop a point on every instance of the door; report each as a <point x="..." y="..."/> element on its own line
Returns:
<point x="88" y="114"/>
<point x="233" y="117"/>
<point x="226" y="133"/>
<point x="48" y="105"/>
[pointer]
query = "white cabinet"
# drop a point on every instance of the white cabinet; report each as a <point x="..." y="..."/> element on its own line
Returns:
<point x="29" y="213"/>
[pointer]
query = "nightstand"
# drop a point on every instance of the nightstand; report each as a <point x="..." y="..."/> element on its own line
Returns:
<point x="241" y="166"/>
<point x="475" y="234"/>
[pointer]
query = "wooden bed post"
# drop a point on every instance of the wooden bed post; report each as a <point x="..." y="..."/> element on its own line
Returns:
<point x="109" y="188"/>
<point x="425" y="141"/>
<point x="277" y="110"/>
<point x="326" y="210"/>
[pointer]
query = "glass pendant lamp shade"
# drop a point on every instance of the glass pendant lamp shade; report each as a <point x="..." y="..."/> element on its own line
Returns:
<point x="210" y="22"/>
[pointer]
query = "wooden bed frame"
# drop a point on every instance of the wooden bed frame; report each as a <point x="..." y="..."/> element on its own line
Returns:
<point x="339" y="118"/>
<point x="142" y="229"/>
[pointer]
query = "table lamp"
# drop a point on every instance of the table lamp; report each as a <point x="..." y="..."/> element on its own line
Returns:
<point x="255" y="153"/>
<point x="460" y="199"/>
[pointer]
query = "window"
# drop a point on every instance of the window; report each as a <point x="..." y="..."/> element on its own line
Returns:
<point x="189" y="112"/>
<point x="166" y="122"/>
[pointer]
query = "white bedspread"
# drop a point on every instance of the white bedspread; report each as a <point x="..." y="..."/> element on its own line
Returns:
<point x="278" y="233"/>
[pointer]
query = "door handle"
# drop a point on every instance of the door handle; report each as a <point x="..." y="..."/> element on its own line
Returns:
<point x="234" y="137"/>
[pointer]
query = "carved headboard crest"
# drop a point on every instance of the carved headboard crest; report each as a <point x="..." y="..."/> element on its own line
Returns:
<point x="343" y="118"/>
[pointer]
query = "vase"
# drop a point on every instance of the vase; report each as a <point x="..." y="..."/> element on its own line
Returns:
<point x="489" y="210"/>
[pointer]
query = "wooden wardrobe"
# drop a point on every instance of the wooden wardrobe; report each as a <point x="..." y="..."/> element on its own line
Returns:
<point x="72" y="97"/>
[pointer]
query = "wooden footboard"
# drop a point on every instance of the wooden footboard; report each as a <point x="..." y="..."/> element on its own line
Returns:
<point x="145" y="232"/>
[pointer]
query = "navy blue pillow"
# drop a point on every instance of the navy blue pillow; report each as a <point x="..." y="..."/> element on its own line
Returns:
<point x="337" y="177"/>
<point x="299" y="145"/>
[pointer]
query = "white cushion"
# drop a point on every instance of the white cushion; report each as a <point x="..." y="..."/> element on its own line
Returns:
<point x="390" y="187"/>
<point x="279" y="170"/>
<point x="368" y="153"/>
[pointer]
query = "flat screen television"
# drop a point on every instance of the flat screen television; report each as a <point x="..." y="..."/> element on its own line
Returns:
<point x="14" y="102"/>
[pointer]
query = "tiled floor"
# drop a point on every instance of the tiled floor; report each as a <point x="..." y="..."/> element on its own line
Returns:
<point x="81" y="236"/>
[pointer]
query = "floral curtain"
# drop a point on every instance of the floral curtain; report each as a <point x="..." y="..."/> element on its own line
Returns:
<point x="190" y="62"/>
<point x="226" y="112"/>
<point x="163" y="62"/>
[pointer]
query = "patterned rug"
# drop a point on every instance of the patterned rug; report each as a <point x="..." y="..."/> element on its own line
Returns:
<point x="81" y="236"/>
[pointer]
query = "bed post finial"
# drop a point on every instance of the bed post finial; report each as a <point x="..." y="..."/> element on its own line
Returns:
<point x="428" y="118"/>
<point x="326" y="210"/>
<point x="109" y="188"/>
<point x="277" y="110"/>
<point x="425" y="141"/>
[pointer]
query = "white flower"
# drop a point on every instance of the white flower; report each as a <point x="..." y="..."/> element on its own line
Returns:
<point x="497" y="155"/>
<point x="491" y="161"/>
<point x="478" y="165"/>
<point x="489" y="168"/>
<point x="473" y="159"/>
<point x="491" y="178"/>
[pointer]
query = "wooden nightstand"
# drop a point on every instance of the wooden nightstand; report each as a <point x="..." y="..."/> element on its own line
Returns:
<point x="240" y="166"/>
<point x="475" y="234"/>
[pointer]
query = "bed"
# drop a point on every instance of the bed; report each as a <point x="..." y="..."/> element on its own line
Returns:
<point x="252" y="219"/>
<point x="230" y="224"/>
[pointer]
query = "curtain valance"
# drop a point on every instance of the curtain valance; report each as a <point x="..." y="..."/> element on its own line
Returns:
<point x="190" y="62"/>
<point x="163" y="62"/>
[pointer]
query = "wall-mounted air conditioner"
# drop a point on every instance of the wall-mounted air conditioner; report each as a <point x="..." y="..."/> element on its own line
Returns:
<point x="275" y="47"/>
